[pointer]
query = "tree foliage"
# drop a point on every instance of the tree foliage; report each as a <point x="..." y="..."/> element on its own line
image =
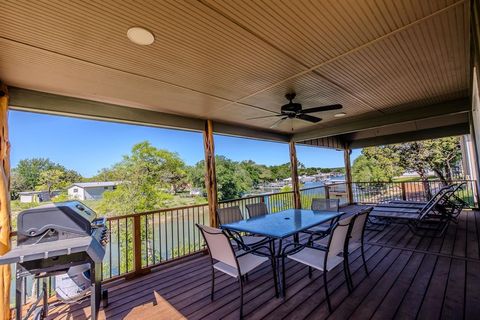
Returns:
<point x="41" y="174"/>
<point x="385" y="162"/>
<point x="376" y="164"/>
<point x="233" y="178"/>
<point x="150" y="176"/>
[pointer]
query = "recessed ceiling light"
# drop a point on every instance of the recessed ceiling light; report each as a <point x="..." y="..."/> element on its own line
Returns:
<point x="340" y="114"/>
<point x="140" y="36"/>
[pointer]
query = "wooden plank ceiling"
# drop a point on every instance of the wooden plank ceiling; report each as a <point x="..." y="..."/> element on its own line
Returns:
<point x="230" y="60"/>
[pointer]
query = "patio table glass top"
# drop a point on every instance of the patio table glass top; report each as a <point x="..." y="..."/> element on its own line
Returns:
<point x="282" y="224"/>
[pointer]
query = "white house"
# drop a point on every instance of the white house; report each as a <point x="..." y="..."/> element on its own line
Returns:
<point x="91" y="190"/>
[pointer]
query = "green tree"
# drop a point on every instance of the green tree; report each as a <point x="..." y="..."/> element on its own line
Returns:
<point x="443" y="155"/>
<point x="280" y="172"/>
<point x="41" y="174"/>
<point x="376" y="164"/>
<point x="149" y="177"/>
<point x="51" y="179"/>
<point x="386" y="162"/>
<point x="233" y="178"/>
<point x="28" y="172"/>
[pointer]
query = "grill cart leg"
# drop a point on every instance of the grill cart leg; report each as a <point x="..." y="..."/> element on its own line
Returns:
<point x="45" y="296"/>
<point x="18" y="293"/>
<point x="95" y="278"/>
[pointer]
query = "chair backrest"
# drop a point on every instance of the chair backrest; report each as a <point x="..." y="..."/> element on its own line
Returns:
<point x="359" y="223"/>
<point x="257" y="209"/>
<point x="338" y="237"/>
<point x="229" y="215"/>
<point x="218" y="245"/>
<point x="319" y="204"/>
<point x="440" y="198"/>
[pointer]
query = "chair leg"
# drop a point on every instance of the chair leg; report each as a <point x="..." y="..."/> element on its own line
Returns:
<point x="284" y="282"/>
<point x="274" y="273"/>
<point x="364" y="262"/>
<point x="246" y="277"/>
<point x="310" y="271"/>
<point x="326" y="291"/>
<point x="346" y="270"/>
<point x="241" y="297"/>
<point x="213" y="284"/>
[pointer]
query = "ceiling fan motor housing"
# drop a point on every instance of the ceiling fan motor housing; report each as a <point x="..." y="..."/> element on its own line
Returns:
<point x="291" y="108"/>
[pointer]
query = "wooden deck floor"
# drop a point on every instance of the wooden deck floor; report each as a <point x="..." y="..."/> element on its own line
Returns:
<point x="410" y="278"/>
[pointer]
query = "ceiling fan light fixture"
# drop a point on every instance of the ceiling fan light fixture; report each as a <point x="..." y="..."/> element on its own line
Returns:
<point x="140" y="36"/>
<point x="340" y="114"/>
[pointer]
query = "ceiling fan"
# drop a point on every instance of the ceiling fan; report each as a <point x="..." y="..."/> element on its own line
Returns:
<point x="293" y="110"/>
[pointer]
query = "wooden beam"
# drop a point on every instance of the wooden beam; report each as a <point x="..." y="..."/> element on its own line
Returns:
<point x="42" y="102"/>
<point x="294" y="168"/>
<point x="5" y="224"/>
<point x="210" y="172"/>
<point x="453" y="130"/>
<point x="348" y="174"/>
<point x="376" y="121"/>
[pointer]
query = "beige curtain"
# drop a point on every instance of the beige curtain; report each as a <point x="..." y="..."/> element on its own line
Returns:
<point x="4" y="204"/>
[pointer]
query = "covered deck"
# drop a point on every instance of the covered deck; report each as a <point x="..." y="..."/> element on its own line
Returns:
<point x="401" y="71"/>
<point x="410" y="277"/>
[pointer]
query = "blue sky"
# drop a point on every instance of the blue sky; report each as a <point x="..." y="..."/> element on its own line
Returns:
<point x="88" y="146"/>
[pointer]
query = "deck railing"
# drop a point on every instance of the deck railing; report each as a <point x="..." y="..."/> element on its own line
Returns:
<point x="375" y="192"/>
<point x="142" y="241"/>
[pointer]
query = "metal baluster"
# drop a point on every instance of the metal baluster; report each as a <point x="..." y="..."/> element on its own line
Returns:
<point x="160" y="236"/>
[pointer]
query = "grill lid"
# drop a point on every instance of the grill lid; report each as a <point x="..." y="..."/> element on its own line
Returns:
<point x="69" y="216"/>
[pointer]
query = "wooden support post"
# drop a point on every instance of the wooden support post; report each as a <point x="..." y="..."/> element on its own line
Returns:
<point x="210" y="172"/>
<point x="5" y="243"/>
<point x="294" y="168"/>
<point x="348" y="174"/>
<point x="327" y="192"/>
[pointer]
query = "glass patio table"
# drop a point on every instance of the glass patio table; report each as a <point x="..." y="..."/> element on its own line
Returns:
<point x="282" y="224"/>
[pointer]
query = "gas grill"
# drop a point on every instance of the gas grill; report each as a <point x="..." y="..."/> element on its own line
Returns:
<point x="63" y="239"/>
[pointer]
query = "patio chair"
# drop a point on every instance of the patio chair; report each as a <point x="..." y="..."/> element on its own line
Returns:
<point x="235" y="264"/>
<point x="320" y="258"/>
<point x="257" y="209"/>
<point x="431" y="219"/>
<point x="233" y="214"/>
<point x="323" y="230"/>
<point x="358" y="223"/>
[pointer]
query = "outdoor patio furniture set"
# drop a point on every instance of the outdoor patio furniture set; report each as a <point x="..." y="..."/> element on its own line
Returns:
<point x="241" y="245"/>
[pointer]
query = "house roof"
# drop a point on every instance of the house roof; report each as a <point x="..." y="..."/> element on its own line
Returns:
<point x="96" y="184"/>
<point x="26" y="193"/>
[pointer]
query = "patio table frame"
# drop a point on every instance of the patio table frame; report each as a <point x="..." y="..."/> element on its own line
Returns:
<point x="281" y="225"/>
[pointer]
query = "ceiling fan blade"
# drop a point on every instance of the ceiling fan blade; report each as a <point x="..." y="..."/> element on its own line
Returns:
<point x="277" y="123"/>
<point x="263" y="117"/>
<point x="308" y="118"/>
<point x="324" y="108"/>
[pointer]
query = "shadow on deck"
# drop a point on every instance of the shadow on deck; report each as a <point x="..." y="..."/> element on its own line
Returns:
<point x="410" y="277"/>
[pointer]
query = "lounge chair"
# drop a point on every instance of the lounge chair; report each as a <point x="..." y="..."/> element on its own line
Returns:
<point x="450" y="204"/>
<point x="433" y="218"/>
